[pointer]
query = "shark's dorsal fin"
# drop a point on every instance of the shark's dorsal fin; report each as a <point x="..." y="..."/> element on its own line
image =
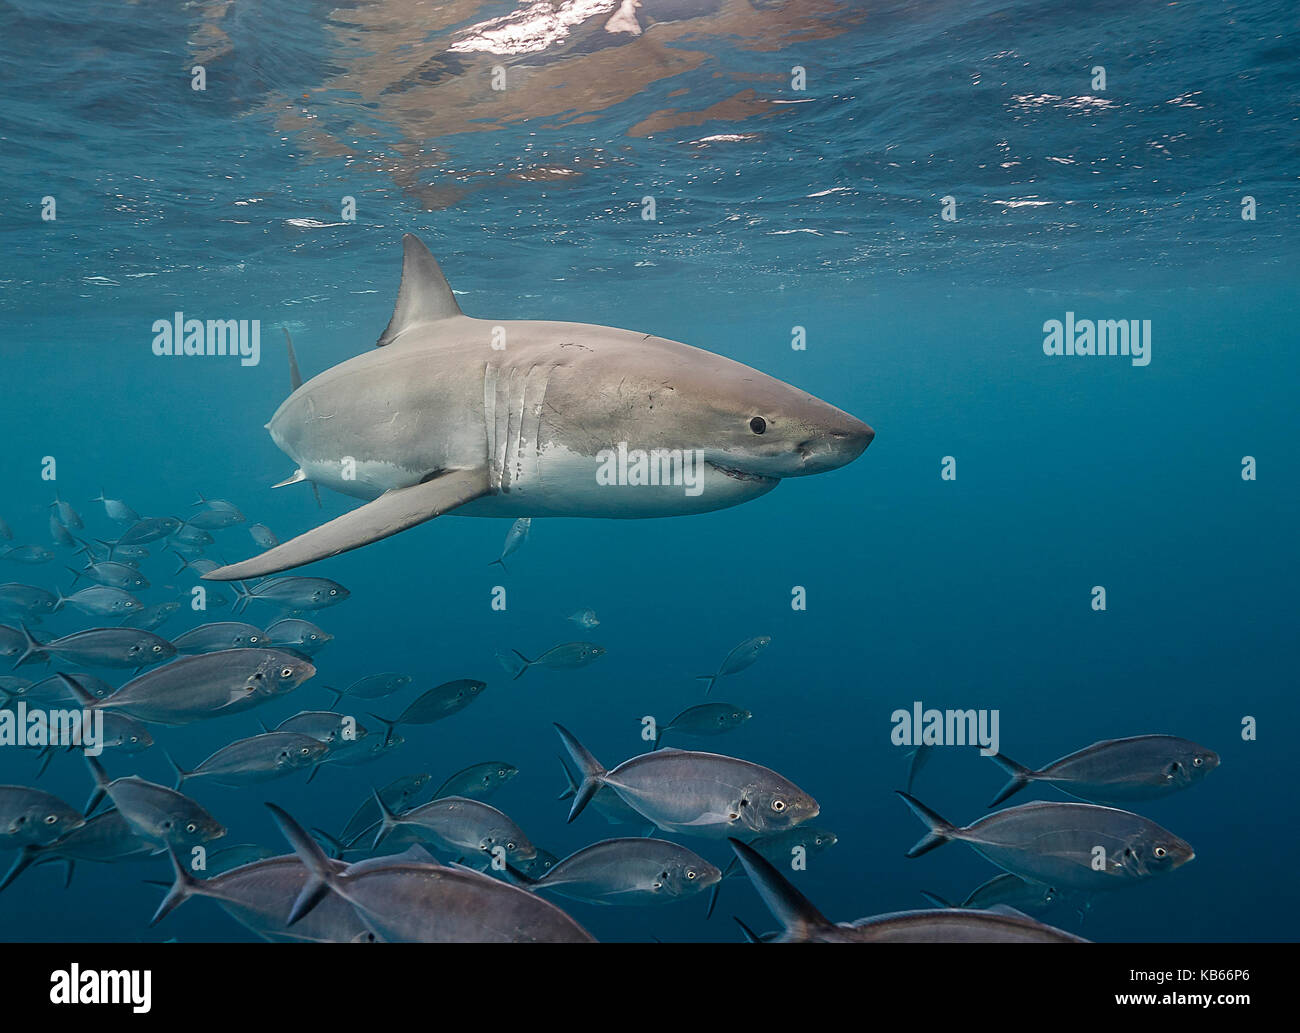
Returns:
<point x="295" y="378"/>
<point x="424" y="296"/>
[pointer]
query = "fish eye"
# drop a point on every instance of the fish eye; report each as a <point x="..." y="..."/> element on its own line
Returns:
<point x="134" y="738"/>
<point x="305" y="751"/>
<point x="191" y="827"/>
<point x="50" y="819"/>
<point x="1160" y="851"/>
<point x="333" y="592"/>
<point x="286" y="672"/>
<point x="252" y="639"/>
<point x="778" y="805"/>
<point x="758" y="425"/>
<point x="157" y="649"/>
<point x="1197" y="762"/>
<point x="690" y="873"/>
<point x="510" y="846"/>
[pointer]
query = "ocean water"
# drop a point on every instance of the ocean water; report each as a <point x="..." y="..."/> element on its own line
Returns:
<point x="775" y="207"/>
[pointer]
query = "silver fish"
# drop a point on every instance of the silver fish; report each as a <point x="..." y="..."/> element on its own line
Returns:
<point x="116" y="509"/>
<point x="60" y="535"/>
<point x="301" y="635"/>
<point x="212" y="638"/>
<point x="30" y="816"/>
<point x="260" y="894"/>
<point x="478" y="781"/>
<point x="1058" y="843"/>
<point x="104" y="647"/>
<point x="1117" y="770"/>
<point x="66" y="514"/>
<point x="107" y="838"/>
<point x="515" y="538"/>
<point x="100" y="601"/>
<point x="194" y="688"/>
<point x="568" y="656"/>
<point x="461" y="826"/>
<point x="441" y="702"/>
<point x="293" y="593"/>
<point x="113" y="574"/>
<point x="374" y="686"/>
<point x="607" y="803"/>
<point x="1007" y="889"/>
<point x="737" y="660"/>
<point x="263" y="536"/>
<point x="259" y="758"/>
<point x="705" y="720"/>
<point x="406" y="901"/>
<point x="628" y="871"/>
<point x="29" y="555"/>
<point x="149" y="529"/>
<point x="150" y="618"/>
<point x="26" y="601"/>
<point x="398" y="795"/>
<point x="585" y="619"/>
<point x="700" y="794"/>
<point x="158" y="815"/>
<point x="191" y="536"/>
<point x="801" y="922"/>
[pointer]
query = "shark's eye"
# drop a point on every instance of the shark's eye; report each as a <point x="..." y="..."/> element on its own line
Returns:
<point x="758" y="425"/>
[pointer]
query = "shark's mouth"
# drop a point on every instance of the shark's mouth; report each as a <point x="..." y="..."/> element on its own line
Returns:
<point x="741" y="475"/>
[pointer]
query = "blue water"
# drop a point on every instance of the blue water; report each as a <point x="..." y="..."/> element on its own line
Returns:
<point x="775" y="208"/>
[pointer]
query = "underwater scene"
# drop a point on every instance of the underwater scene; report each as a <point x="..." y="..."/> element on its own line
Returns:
<point x="648" y="470"/>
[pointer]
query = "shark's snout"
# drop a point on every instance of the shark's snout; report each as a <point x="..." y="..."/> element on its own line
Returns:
<point x="835" y="445"/>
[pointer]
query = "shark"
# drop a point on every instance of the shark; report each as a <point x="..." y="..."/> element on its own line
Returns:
<point x="451" y="414"/>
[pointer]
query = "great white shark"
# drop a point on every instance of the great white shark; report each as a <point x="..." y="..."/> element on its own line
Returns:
<point x="515" y="418"/>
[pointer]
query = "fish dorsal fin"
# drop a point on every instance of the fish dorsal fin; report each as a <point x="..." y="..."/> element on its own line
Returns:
<point x="424" y="296"/>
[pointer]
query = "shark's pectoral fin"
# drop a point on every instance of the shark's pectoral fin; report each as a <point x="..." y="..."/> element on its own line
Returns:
<point x="393" y="511"/>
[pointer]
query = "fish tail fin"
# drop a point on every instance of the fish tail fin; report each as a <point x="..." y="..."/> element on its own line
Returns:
<point x="500" y="562"/>
<point x="321" y="877"/>
<point x="713" y="899"/>
<point x="59" y="600"/>
<point x="110" y="546"/>
<point x="941" y="830"/>
<point x="919" y="757"/>
<point x="185" y="563"/>
<point x="710" y="678"/>
<point x="181" y="890"/>
<point x="592" y="774"/>
<point x="568" y="777"/>
<point x="331" y="844"/>
<point x="26" y="858"/>
<point x="338" y="696"/>
<point x="387" y="819"/>
<point x="790" y="907"/>
<point x="389" y="727"/>
<point x="181" y="773"/>
<point x="76" y="575"/>
<point x="316" y="492"/>
<point x="1020" y="777"/>
<point x="83" y="695"/>
<point x="243" y="596"/>
<point x="100" y="776"/>
<point x="937" y="900"/>
<point x="748" y="933"/>
<point x="518" y="668"/>
<point x="30" y="645"/>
